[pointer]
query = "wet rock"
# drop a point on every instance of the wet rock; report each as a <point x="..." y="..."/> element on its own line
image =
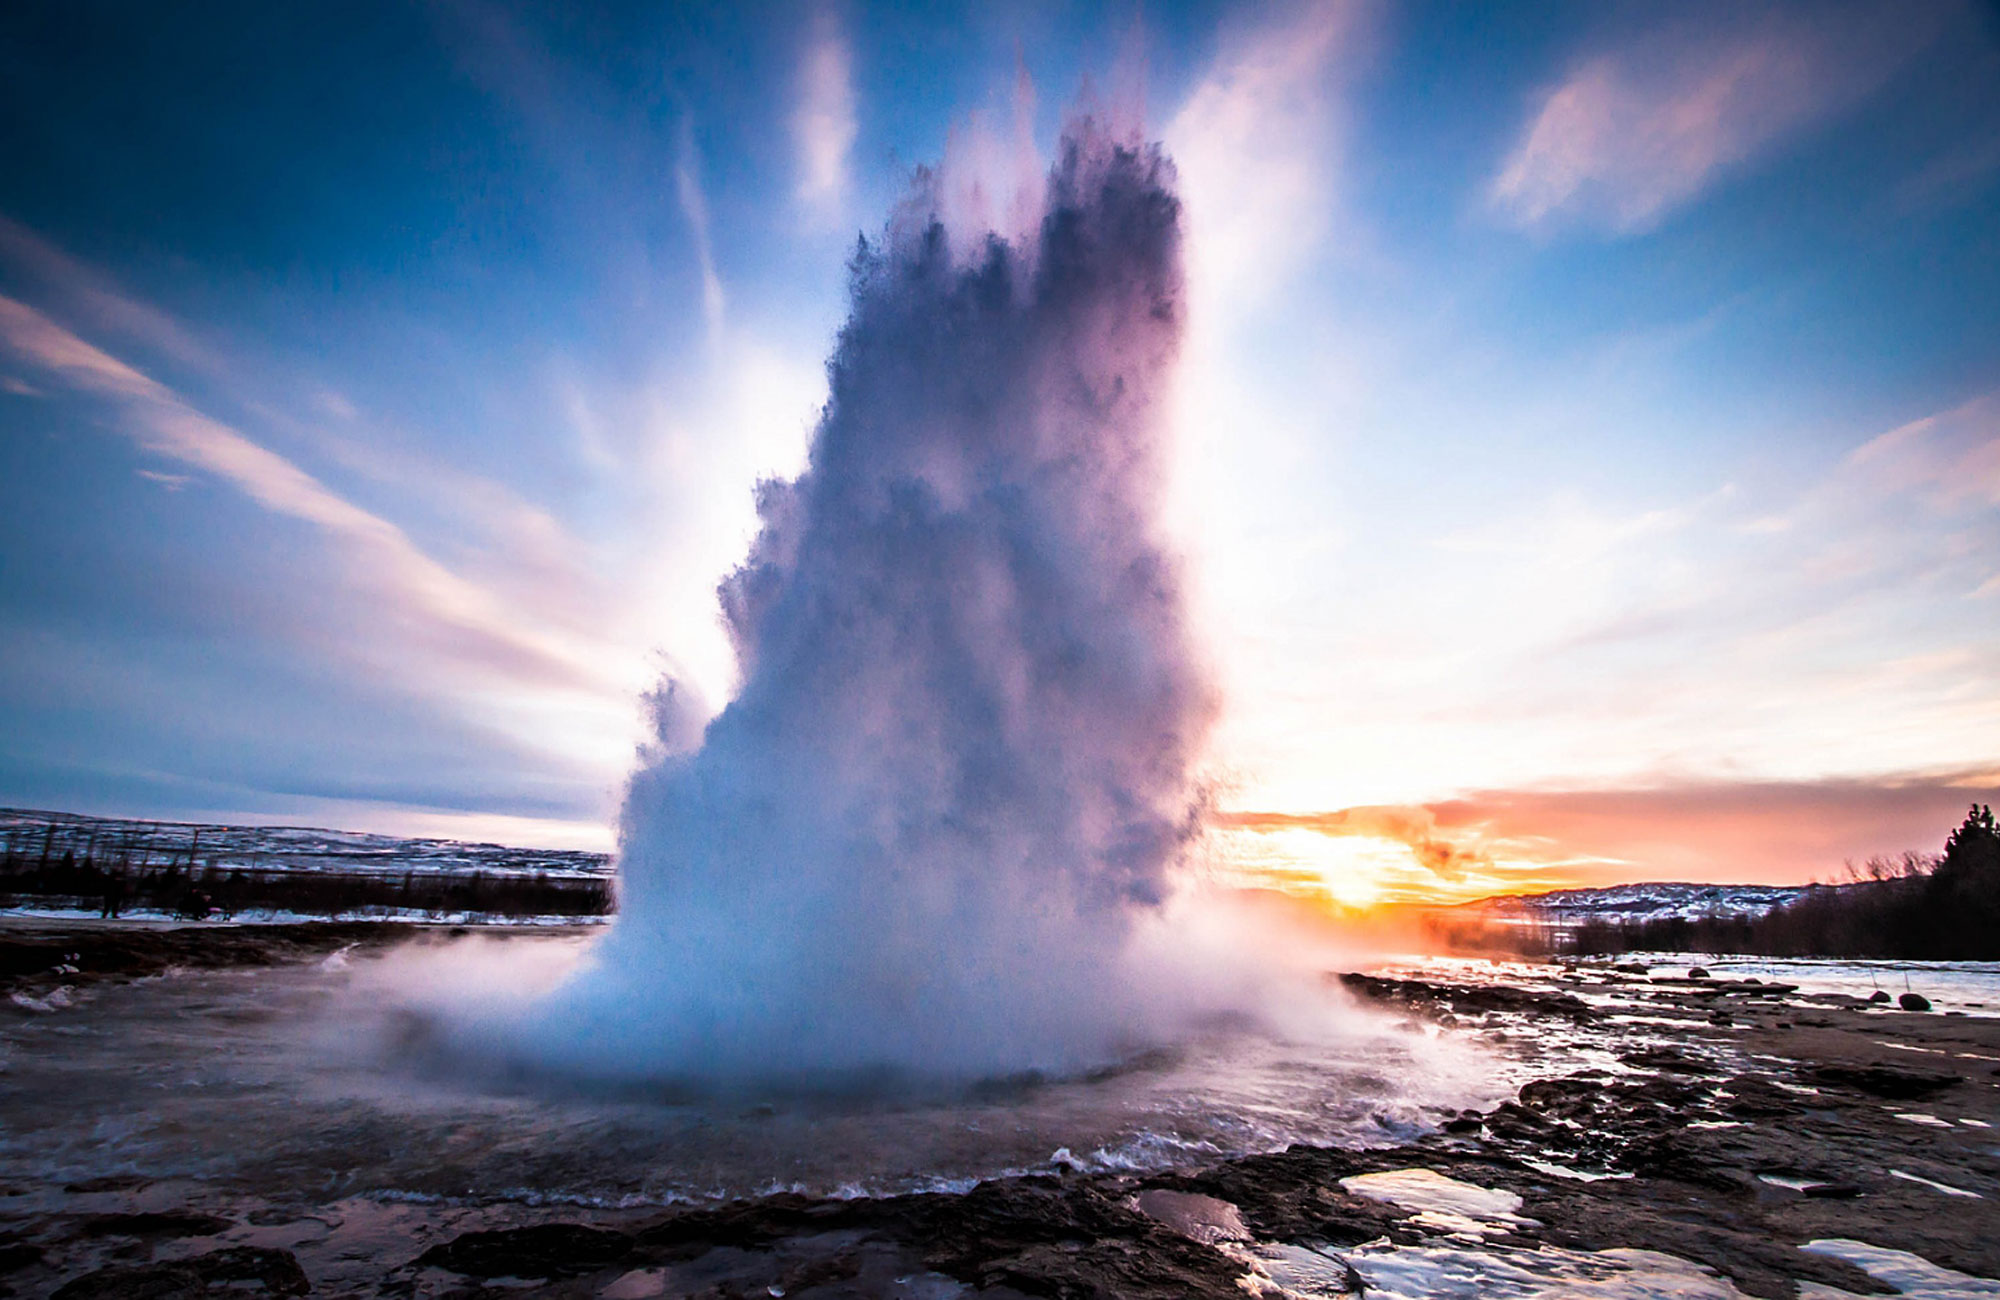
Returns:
<point x="1293" y="1196"/>
<point x="118" y="954"/>
<point x="1669" y="1059"/>
<point x="108" y="1183"/>
<point x="1631" y="968"/>
<point x="1753" y="1098"/>
<point x="1513" y="1120"/>
<point x="272" y="1216"/>
<point x="1464" y="1124"/>
<point x="1433" y="998"/>
<point x="1914" y="1002"/>
<point x="1050" y="1238"/>
<point x="542" y="1250"/>
<point x="173" y="1223"/>
<point x="1697" y="972"/>
<point x="1890" y="1082"/>
<point x="828" y="1271"/>
<point x="1879" y="995"/>
<point x="1676" y="1156"/>
<point x="1038" y="1235"/>
<point x="238" y="1271"/>
<point x="17" y="1255"/>
<point x="1832" y="1191"/>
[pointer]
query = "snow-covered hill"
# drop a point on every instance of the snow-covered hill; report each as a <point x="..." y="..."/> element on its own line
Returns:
<point x="1642" y="902"/>
<point x="28" y="834"/>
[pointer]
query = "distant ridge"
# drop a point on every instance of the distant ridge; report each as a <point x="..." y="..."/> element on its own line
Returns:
<point x="25" y="831"/>
<point x="1649" y="901"/>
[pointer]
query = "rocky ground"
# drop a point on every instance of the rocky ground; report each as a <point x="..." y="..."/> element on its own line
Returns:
<point x="1745" y="1122"/>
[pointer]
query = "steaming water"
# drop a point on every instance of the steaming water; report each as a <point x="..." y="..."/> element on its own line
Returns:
<point x="1971" y="987"/>
<point x="273" y="1083"/>
<point x="946" y="810"/>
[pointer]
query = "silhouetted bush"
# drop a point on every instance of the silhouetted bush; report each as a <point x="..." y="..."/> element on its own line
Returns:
<point x="1943" y="908"/>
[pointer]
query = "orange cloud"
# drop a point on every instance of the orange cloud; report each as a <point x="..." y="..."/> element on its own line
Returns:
<point x="1505" y="841"/>
<point x="1444" y="855"/>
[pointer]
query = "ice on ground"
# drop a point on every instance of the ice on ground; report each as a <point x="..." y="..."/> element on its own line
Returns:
<point x="1575" y="1175"/>
<point x="1946" y="1188"/>
<point x="1440" y="1272"/>
<point x="639" y="1284"/>
<point x="1913" y="1275"/>
<point x="57" y="1000"/>
<point x="1795" y="1184"/>
<point x="1441" y="1203"/>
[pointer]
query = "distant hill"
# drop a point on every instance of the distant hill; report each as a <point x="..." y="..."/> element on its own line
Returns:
<point x="1650" y="901"/>
<point x="116" y="867"/>
<point x="31" y="833"/>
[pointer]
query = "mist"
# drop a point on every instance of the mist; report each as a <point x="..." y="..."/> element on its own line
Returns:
<point x="962" y="772"/>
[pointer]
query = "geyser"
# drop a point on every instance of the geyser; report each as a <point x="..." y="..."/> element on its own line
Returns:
<point x="959" y="778"/>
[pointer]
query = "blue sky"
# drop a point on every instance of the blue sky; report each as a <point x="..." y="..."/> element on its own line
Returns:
<point x="1587" y="406"/>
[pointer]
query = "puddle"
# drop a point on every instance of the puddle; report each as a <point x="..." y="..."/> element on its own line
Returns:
<point x="1203" y="1218"/>
<point x="1440" y="1203"/>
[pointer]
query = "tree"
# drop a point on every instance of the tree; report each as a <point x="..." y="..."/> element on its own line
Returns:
<point x="1962" y="905"/>
<point x="1975" y="845"/>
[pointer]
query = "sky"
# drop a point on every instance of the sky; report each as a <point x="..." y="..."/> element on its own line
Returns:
<point x="1589" y="430"/>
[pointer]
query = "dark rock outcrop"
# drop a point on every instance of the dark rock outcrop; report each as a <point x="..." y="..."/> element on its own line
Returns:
<point x="241" y="1271"/>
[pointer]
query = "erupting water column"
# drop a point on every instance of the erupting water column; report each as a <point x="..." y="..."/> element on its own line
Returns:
<point x="960" y="773"/>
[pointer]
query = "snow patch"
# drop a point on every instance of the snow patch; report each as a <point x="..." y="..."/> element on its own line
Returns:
<point x="1442" y="1203"/>
<point x="1946" y="1188"/>
<point x="1390" y="1272"/>
<point x="1913" y="1275"/>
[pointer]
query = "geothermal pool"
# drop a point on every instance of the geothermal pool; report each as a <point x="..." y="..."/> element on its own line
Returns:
<point x="293" y="1079"/>
<point x="291" y="1110"/>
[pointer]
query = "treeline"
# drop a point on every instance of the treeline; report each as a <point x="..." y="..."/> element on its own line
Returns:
<point x="1944" y="907"/>
<point x="113" y="874"/>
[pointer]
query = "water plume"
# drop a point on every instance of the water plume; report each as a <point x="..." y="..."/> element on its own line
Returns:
<point x="961" y="772"/>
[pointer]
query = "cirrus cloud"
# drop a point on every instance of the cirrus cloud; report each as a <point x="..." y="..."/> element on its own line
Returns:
<point x="1632" y="133"/>
<point x="823" y="122"/>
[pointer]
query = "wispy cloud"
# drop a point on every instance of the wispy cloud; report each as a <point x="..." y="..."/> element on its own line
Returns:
<point x="1815" y="626"/>
<point x="1952" y="458"/>
<point x="470" y="622"/>
<point x="694" y="207"/>
<point x="89" y="295"/>
<point x="1632" y="133"/>
<point x="823" y="122"/>
<point x="1258" y="145"/>
<point x="511" y="546"/>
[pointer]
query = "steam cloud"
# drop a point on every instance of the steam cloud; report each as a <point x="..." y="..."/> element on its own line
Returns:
<point x="959" y="777"/>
